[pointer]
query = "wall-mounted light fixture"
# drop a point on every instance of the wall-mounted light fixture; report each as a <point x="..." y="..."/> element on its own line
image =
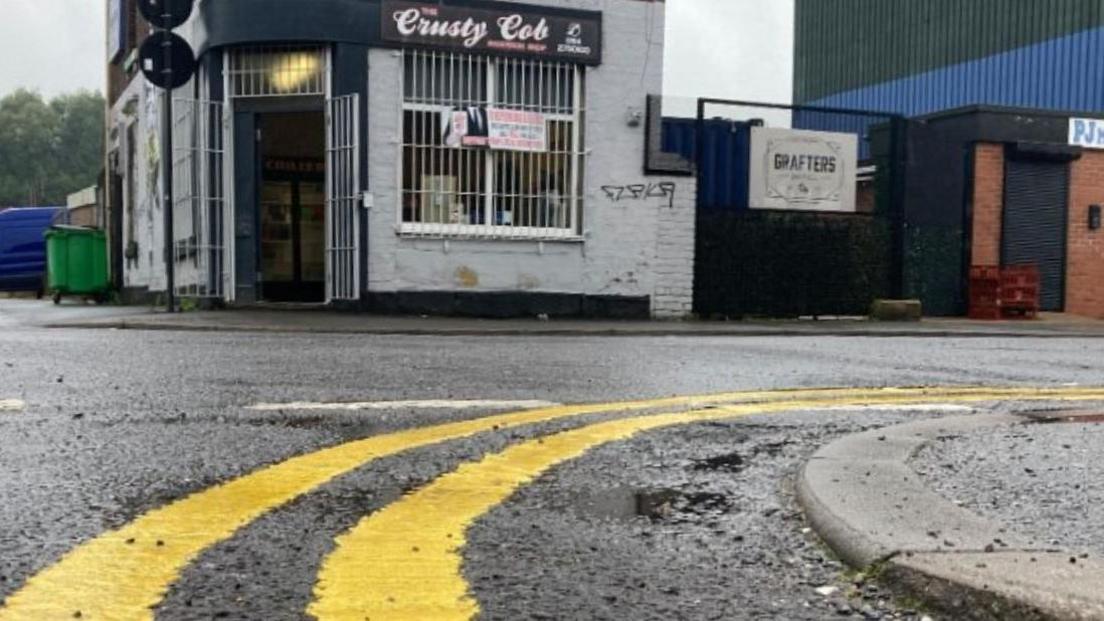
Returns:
<point x="1094" y="217"/>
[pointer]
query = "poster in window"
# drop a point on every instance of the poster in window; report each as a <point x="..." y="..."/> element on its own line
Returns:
<point x="802" y="170"/>
<point x="496" y="128"/>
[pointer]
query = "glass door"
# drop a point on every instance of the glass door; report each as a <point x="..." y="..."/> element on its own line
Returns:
<point x="293" y="239"/>
<point x="277" y="234"/>
<point x="293" y="207"/>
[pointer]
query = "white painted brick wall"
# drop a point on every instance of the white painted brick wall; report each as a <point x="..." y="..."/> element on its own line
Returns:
<point x="632" y="247"/>
<point x="139" y="106"/>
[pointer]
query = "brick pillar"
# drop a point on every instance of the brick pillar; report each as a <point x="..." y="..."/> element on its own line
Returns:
<point x="674" y="261"/>
<point x="1085" y="253"/>
<point x="988" y="200"/>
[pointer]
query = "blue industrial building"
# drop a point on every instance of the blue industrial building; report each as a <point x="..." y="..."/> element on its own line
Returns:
<point x="917" y="58"/>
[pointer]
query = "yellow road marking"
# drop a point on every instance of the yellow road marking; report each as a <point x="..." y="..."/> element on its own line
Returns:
<point x="123" y="573"/>
<point x="404" y="561"/>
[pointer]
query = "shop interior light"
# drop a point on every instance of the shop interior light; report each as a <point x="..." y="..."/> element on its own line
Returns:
<point x="294" y="72"/>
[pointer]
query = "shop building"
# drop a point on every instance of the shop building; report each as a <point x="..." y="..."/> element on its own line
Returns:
<point x="1023" y="187"/>
<point x="455" y="157"/>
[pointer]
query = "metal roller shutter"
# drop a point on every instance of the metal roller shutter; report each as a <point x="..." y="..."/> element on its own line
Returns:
<point x="1035" y="213"/>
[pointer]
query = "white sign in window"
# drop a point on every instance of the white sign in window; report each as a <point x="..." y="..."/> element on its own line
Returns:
<point x="497" y="128"/>
<point x="802" y="170"/>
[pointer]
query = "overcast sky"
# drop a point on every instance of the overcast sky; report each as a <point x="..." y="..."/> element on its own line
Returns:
<point x="717" y="48"/>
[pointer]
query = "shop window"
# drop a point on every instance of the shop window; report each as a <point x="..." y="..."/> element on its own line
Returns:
<point x="277" y="71"/>
<point x="491" y="147"/>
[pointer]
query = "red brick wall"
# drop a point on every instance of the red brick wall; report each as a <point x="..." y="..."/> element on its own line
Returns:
<point x="988" y="204"/>
<point x="1085" y="264"/>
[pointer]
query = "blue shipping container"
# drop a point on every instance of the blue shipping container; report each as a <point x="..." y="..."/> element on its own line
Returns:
<point x="723" y="169"/>
<point x="23" y="246"/>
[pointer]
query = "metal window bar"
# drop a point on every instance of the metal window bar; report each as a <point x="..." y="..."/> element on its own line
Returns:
<point x="277" y="71"/>
<point x="230" y="286"/>
<point x="342" y="198"/>
<point x="199" y="206"/>
<point x="474" y="192"/>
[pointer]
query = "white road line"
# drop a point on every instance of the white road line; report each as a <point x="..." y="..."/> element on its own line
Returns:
<point x="404" y="405"/>
<point x="945" y="408"/>
<point x="11" y="405"/>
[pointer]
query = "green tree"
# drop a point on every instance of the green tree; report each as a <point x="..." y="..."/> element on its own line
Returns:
<point x="49" y="149"/>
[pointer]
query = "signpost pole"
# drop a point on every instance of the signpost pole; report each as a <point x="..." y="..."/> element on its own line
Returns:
<point x="169" y="67"/>
<point x="167" y="163"/>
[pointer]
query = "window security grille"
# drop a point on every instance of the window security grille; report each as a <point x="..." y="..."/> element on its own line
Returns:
<point x="343" y="198"/>
<point x="277" y="71"/>
<point x="199" y="205"/>
<point x="451" y="189"/>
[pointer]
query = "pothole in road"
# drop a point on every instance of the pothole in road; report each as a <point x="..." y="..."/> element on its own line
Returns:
<point x="653" y="504"/>
<point x="732" y="462"/>
<point x="738" y="462"/>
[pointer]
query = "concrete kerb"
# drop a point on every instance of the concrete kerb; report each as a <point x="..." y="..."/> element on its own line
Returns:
<point x="862" y="498"/>
<point x="391" y="326"/>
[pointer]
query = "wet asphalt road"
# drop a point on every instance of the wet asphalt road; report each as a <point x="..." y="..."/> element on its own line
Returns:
<point x="689" y="523"/>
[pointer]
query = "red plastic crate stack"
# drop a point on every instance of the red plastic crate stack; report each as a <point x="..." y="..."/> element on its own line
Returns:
<point x="1019" y="291"/>
<point x="985" y="292"/>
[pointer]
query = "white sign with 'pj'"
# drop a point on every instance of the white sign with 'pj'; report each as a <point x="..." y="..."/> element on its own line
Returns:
<point x="1088" y="133"/>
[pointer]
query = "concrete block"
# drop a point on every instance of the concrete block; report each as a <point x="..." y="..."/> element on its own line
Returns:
<point x="896" y="310"/>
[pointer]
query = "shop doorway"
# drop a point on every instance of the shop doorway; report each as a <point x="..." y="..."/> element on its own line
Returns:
<point x="292" y="206"/>
<point x="1035" y="219"/>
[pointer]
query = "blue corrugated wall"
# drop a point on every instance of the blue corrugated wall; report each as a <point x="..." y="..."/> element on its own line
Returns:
<point x="1066" y="73"/>
<point x="723" y="171"/>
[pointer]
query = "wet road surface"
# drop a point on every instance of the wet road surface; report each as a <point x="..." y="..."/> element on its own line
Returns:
<point x="689" y="522"/>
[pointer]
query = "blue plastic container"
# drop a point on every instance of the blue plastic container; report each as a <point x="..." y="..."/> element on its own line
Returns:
<point x="23" y="246"/>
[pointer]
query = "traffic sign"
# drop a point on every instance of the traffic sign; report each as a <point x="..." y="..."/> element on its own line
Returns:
<point x="166" y="14"/>
<point x="151" y="58"/>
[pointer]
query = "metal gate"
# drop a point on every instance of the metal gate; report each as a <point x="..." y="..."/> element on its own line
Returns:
<point x="200" y="247"/>
<point x="342" y="198"/>
<point x="1035" y="217"/>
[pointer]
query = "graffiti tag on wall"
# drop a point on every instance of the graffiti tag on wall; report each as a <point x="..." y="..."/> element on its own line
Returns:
<point x="642" y="191"/>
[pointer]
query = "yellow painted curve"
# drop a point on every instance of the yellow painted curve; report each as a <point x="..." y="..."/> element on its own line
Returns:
<point x="122" y="574"/>
<point x="404" y="562"/>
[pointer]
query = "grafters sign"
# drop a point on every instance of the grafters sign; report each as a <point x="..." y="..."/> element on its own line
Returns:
<point x="802" y="170"/>
<point x="571" y="36"/>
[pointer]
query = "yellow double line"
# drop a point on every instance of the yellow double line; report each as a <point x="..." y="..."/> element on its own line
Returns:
<point x="123" y="573"/>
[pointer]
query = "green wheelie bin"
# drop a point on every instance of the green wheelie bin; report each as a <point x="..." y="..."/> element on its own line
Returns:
<point x="76" y="263"/>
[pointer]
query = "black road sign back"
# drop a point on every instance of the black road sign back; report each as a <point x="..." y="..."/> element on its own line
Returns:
<point x="166" y="14"/>
<point x="151" y="58"/>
